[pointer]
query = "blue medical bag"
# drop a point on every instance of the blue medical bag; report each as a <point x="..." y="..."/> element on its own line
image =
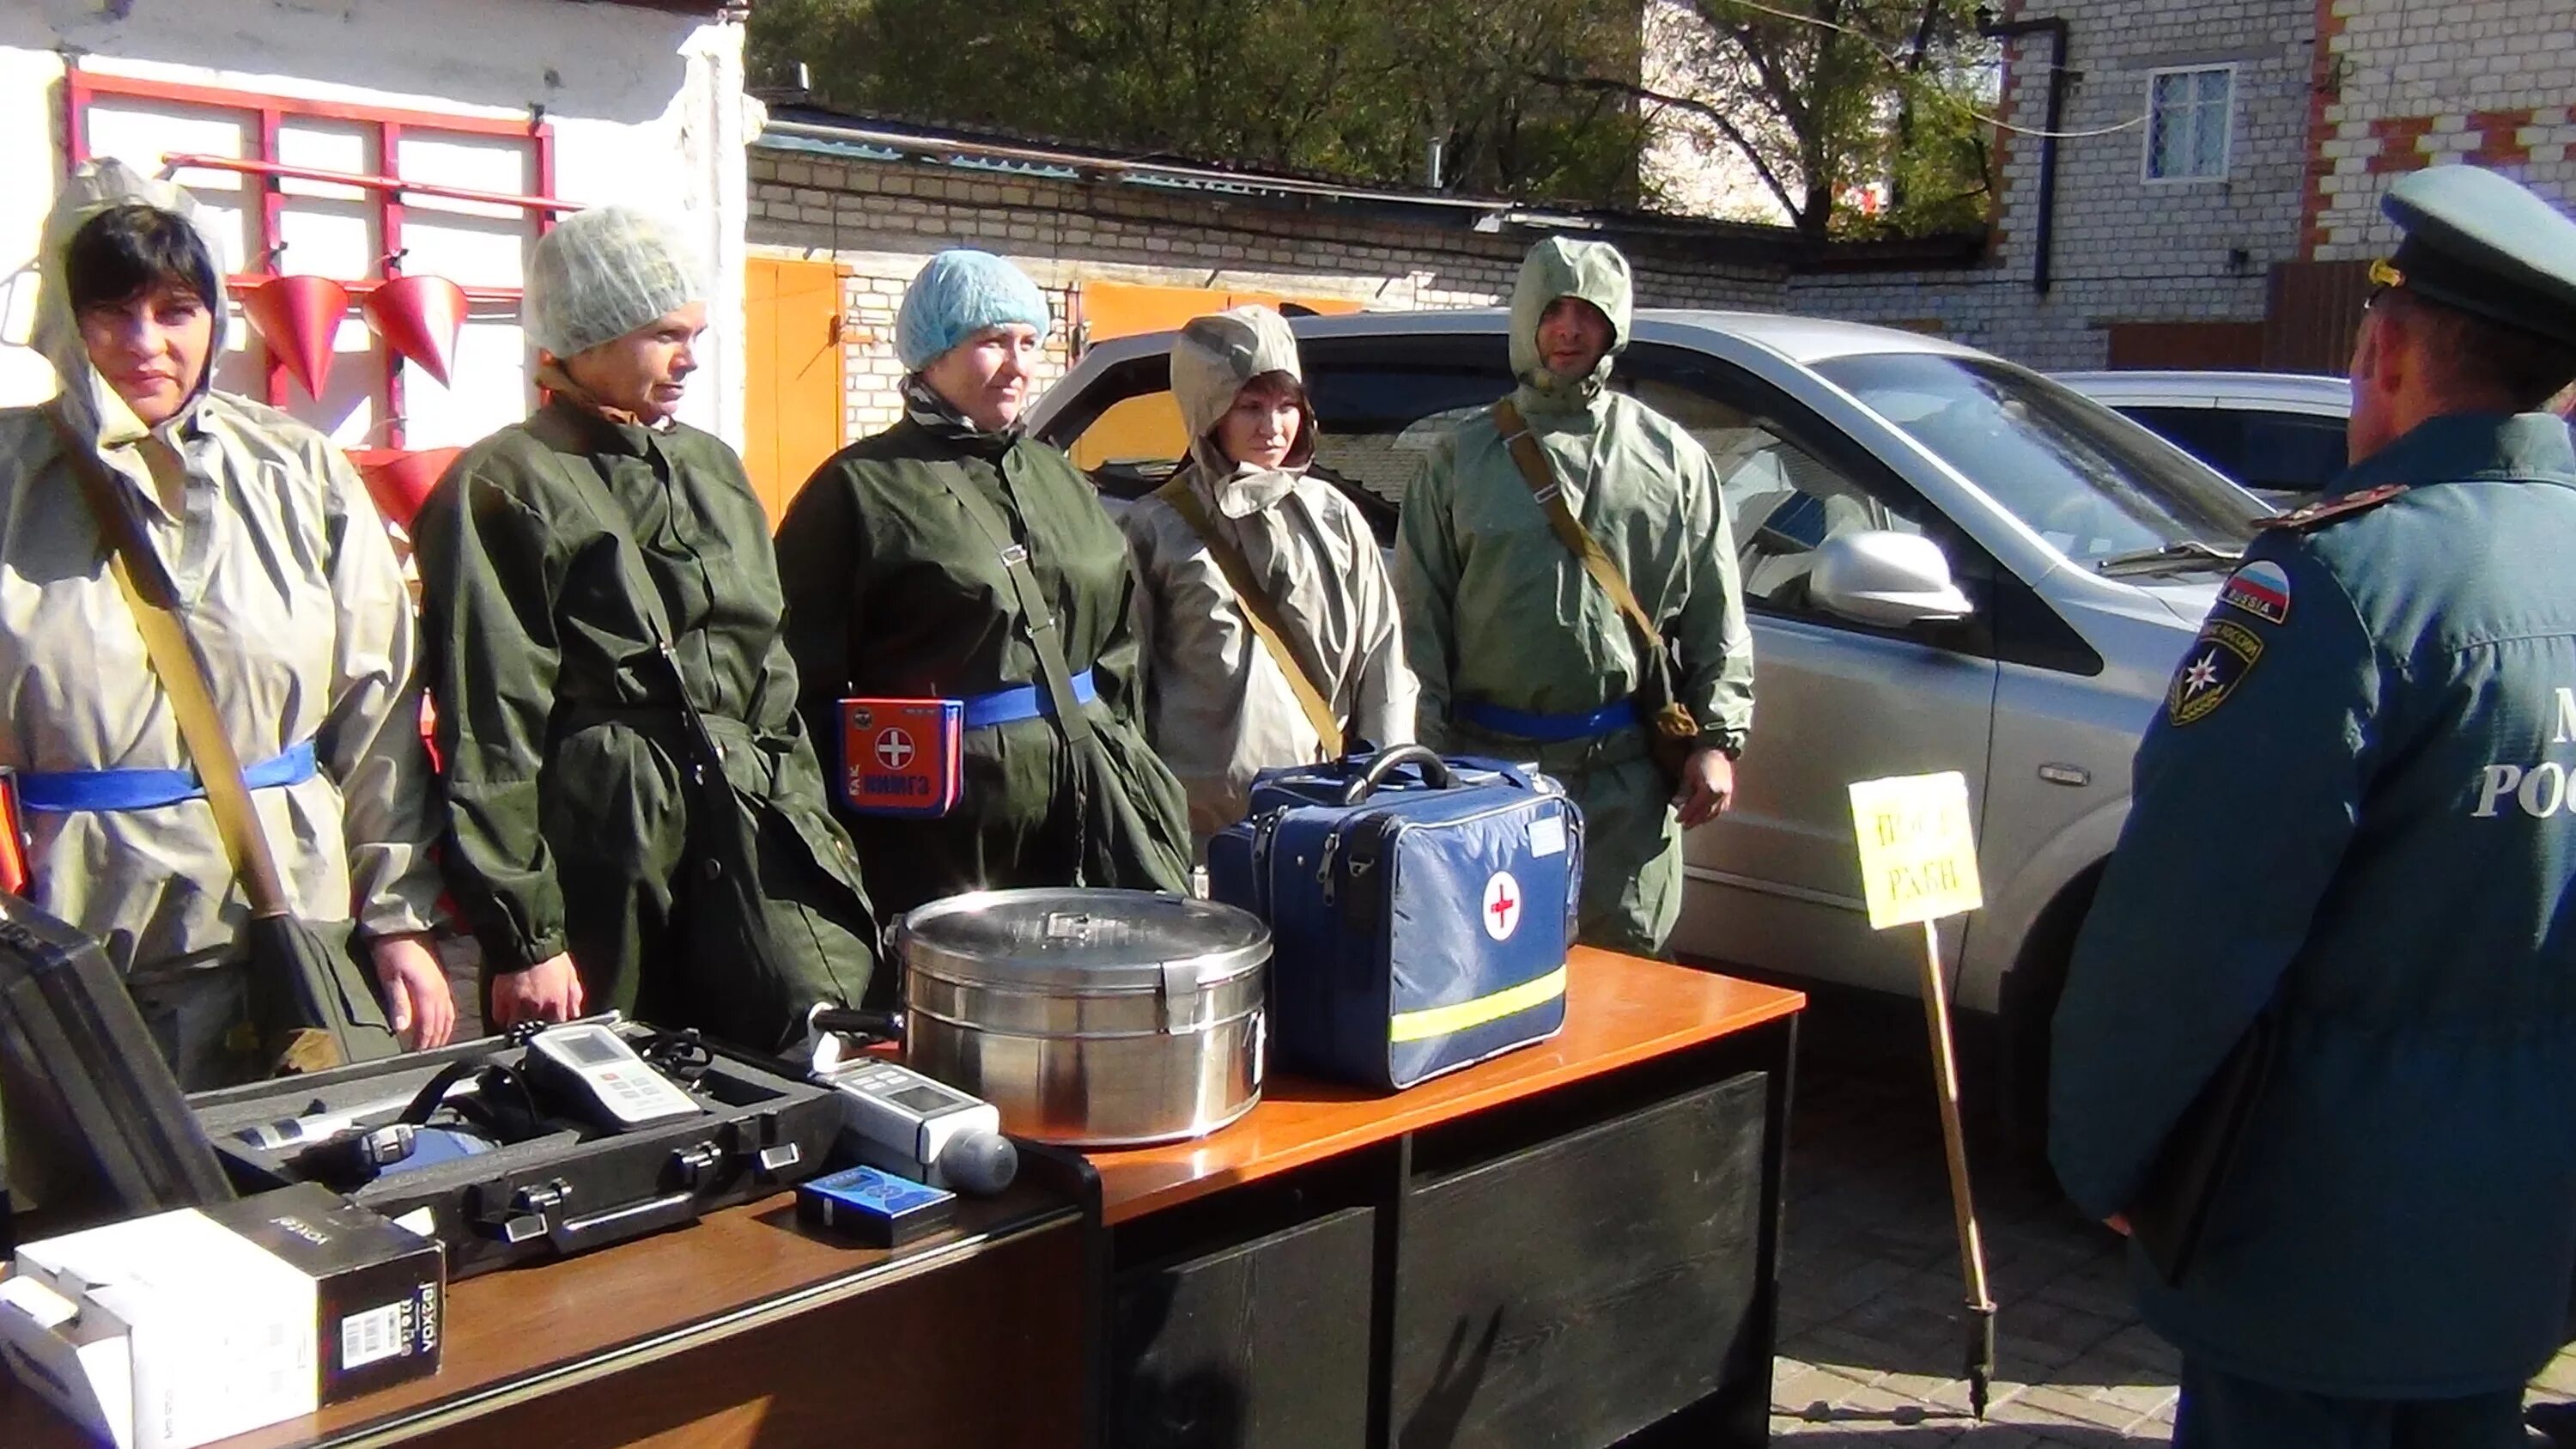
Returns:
<point x="1420" y="910"/>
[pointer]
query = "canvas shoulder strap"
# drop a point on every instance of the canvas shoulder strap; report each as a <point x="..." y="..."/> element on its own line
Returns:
<point x="1044" y="634"/>
<point x="1258" y="611"/>
<point x="183" y="681"/>
<point x="1578" y="540"/>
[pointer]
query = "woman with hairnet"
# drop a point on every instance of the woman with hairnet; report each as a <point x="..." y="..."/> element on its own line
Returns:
<point x="635" y="817"/>
<point x="1264" y="612"/>
<point x="951" y="558"/>
<point x="287" y="590"/>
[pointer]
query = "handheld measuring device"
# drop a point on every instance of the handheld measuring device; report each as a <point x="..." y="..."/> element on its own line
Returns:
<point x="595" y="1074"/>
<point x="907" y="1123"/>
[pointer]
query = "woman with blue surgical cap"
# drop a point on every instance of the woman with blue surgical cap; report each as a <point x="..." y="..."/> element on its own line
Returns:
<point x="949" y="558"/>
<point x="635" y="817"/>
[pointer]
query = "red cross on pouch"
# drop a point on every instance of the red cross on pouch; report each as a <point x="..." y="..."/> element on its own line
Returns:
<point x="894" y="749"/>
<point x="1502" y="912"/>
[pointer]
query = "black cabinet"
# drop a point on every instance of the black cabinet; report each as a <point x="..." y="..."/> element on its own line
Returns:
<point x="1587" y="1267"/>
<point x="1572" y="1293"/>
<point x="1262" y="1346"/>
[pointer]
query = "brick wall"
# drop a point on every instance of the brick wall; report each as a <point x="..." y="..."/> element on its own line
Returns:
<point x="2403" y="87"/>
<point x="883" y="219"/>
<point x="2126" y="249"/>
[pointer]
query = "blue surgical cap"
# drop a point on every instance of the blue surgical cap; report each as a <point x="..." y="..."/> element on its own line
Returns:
<point x="961" y="293"/>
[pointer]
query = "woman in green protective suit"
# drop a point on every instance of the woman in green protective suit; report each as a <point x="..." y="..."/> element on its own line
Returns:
<point x="949" y="557"/>
<point x="635" y="817"/>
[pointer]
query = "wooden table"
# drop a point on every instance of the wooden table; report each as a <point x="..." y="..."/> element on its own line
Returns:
<point x="741" y="1331"/>
<point x="1566" y="1245"/>
<point x="1557" y="1247"/>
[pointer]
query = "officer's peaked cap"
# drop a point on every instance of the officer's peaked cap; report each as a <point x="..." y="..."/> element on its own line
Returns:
<point x="2487" y="245"/>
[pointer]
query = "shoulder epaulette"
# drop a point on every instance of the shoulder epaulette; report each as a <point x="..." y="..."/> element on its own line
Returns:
<point x="2328" y="510"/>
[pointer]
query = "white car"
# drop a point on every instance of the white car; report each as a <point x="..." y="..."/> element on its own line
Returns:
<point x="2073" y="555"/>
<point x="2278" y="433"/>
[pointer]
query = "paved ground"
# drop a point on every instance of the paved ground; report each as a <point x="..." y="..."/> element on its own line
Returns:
<point x="1870" y="1325"/>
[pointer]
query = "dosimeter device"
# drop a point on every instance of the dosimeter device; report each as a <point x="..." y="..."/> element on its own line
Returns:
<point x="907" y="1123"/>
<point x="588" y="1070"/>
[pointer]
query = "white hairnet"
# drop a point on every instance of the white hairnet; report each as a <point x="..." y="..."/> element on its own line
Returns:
<point x="601" y="274"/>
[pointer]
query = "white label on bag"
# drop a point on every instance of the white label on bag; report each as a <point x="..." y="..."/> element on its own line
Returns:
<point x="1547" y="835"/>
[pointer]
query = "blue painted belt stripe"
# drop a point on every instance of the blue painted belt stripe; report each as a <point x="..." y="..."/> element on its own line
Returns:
<point x="60" y="791"/>
<point x="1029" y="701"/>
<point x="1618" y="714"/>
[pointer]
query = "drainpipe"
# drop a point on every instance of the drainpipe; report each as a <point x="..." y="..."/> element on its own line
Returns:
<point x="2055" y="28"/>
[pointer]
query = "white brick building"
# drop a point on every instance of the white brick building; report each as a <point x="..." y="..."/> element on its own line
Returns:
<point x="2219" y="171"/>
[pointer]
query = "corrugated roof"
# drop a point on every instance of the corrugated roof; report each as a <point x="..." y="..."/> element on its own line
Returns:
<point x="822" y="130"/>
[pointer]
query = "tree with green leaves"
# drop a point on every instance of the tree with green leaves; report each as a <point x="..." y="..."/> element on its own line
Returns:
<point x="1356" y="88"/>
<point x="1819" y="97"/>
<point x="1544" y="99"/>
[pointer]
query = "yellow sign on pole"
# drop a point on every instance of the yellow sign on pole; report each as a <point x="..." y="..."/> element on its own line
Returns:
<point x="1918" y="848"/>
<point x="1918" y="863"/>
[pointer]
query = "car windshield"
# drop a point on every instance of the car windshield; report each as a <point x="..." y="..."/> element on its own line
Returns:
<point x="2095" y="485"/>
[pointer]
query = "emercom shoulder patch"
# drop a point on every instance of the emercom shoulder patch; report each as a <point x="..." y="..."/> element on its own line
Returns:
<point x="2221" y="657"/>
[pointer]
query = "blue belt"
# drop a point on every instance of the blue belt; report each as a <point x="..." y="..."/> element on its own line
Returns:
<point x="57" y="791"/>
<point x="1618" y="714"/>
<point x="1010" y="706"/>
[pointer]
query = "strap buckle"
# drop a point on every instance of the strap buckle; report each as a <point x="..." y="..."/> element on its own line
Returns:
<point x="1014" y="555"/>
<point x="1548" y="494"/>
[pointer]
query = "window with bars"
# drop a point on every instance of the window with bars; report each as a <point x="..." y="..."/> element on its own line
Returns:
<point x="2187" y="123"/>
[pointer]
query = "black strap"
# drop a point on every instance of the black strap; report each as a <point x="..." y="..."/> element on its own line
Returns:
<point x="594" y="494"/>
<point x="1044" y="635"/>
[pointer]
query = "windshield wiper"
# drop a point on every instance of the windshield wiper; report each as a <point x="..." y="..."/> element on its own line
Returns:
<point x="2190" y="553"/>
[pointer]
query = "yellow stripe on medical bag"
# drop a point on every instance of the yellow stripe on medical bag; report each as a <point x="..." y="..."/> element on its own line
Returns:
<point x="1458" y="1016"/>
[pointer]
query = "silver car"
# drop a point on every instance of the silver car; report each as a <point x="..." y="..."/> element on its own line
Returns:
<point x="1951" y="563"/>
<point x="2278" y="433"/>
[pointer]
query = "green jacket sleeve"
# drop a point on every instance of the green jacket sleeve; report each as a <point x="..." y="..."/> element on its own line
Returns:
<point x="488" y="585"/>
<point x="2246" y="789"/>
<point x="819" y="551"/>
<point x="1144" y="602"/>
<point x="1118" y="671"/>
<point x="1716" y="646"/>
<point x="1426" y="588"/>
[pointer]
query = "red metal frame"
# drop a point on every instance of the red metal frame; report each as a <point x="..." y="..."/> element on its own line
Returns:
<point x="80" y="87"/>
<point x="185" y="161"/>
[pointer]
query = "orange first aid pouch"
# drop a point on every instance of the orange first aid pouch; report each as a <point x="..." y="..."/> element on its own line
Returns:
<point x="902" y="757"/>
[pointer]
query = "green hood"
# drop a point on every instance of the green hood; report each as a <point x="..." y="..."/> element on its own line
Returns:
<point x="1213" y="358"/>
<point x="90" y="406"/>
<point x="1556" y="267"/>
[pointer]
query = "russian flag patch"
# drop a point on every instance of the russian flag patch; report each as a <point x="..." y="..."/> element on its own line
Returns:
<point x="2261" y="589"/>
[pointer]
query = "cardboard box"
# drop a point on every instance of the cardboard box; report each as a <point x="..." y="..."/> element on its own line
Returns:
<point x="170" y="1331"/>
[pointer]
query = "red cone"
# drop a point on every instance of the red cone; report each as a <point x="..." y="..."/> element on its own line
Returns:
<point x="419" y="317"/>
<point x="400" y="481"/>
<point x="298" y="317"/>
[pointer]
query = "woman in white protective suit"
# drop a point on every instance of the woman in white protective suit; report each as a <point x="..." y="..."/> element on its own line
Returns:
<point x="291" y="596"/>
<point x="1265" y="613"/>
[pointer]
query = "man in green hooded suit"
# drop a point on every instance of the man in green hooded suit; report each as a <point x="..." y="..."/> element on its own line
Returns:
<point x="1521" y="653"/>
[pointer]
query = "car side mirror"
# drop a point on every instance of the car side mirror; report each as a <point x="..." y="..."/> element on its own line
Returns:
<point x="1887" y="578"/>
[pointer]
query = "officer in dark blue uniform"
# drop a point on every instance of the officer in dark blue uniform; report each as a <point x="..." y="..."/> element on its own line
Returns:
<point x="2354" y="819"/>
